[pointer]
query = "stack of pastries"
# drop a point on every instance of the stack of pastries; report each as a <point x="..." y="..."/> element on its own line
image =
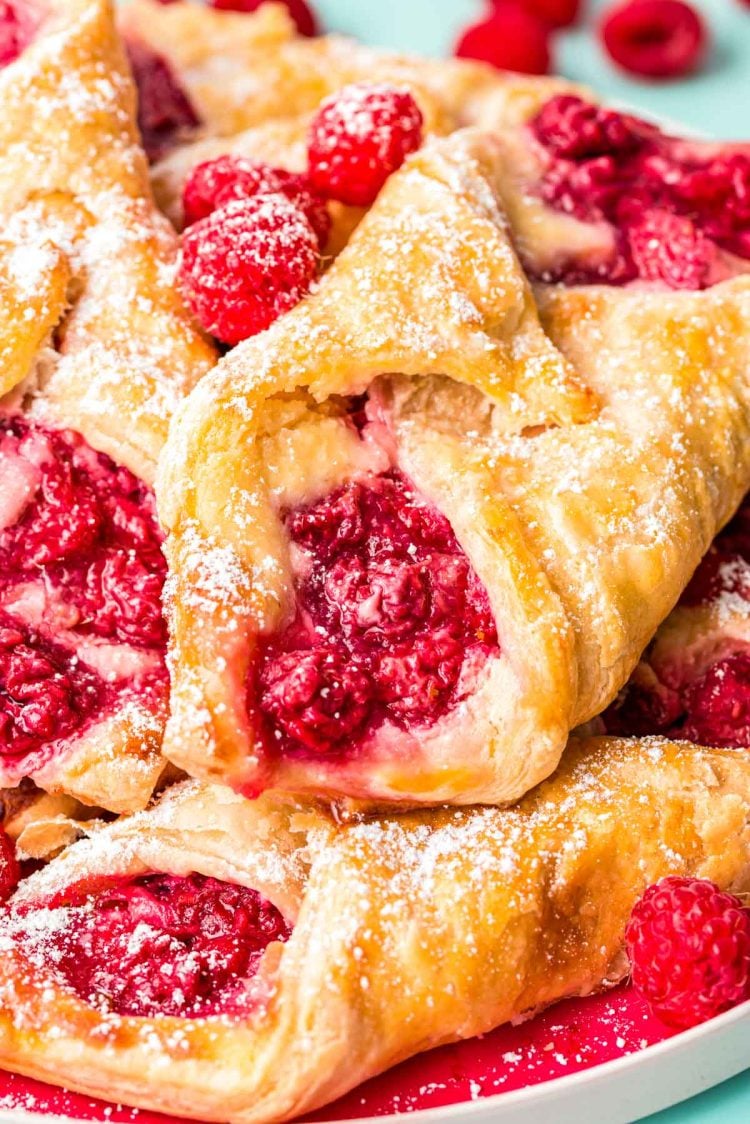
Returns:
<point x="359" y="670"/>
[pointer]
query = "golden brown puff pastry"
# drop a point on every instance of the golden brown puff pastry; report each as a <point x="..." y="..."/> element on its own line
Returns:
<point x="693" y="681"/>
<point x="40" y="824"/>
<point x="323" y="642"/>
<point x="242" y="70"/>
<point x="74" y="177"/>
<point x="97" y="349"/>
<point x="407" y="932"/>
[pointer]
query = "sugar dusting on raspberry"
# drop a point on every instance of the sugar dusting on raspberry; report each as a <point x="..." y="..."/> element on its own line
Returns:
<point x="157" y="944"/>
<point x="358" y="137"/>
<point x="214" y="183"/>
<point x="246" y="264"/>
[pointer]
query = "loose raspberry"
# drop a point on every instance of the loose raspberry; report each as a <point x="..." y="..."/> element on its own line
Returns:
<point x="657" y="39"/>
<point x="689" y="949"/>
<point x="511" y="38"/>
<point x="216" y="182"/>
<point x="164" y="109"/>
<point x="299" y="11"/>
<point x="555" y="13"/>
<point x="246" y="264"/>
<point x="10" y="871"/>
<point x="358" y="137"/>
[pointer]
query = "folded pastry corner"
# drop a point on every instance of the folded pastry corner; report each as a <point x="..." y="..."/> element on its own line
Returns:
<point x="96" y="349"/>
<point x="319" y="955"/>
<point x="415" y="537"/>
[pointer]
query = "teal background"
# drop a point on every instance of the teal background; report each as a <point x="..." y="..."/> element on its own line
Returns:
<point x="715" y="102"/>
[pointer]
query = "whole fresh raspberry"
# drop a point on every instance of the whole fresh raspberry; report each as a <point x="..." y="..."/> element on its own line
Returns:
<point x="358" y="137"/>
<point x="299" y="11"/>
<point x="216" y="182"/>
<point x="689" y="949"/>
<point x="657" y="39"/>
<point x="555" y="13"/>
<point x="246" y="264"/>
<point x="10" y="872"/>
<point x="511" y="38"/>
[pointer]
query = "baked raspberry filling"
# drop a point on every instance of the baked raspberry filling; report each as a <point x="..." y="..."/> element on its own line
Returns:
<point x="165" y="112"/>
<point x="680" y="211"/>
<point x="391" y="624"/>
<point x="19" y="21"/>
<point x="711" y="708"/>
<point x="157" y="944"/>
<point x="81" y="573"/>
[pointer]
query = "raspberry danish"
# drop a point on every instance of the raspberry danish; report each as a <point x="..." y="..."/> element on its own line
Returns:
<point x="178" y="953"/>
<point x="96" y="353"/>
<point x="693" y="681"/>
<point x="410" y="586"/>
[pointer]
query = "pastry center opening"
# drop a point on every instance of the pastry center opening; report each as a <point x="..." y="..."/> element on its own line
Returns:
<point x="19" y="22"/>
<point x="158" y="944"/>
<point x="81" y="574"/>
<point x="392" y="623"/>
<point x="165" y="112"/>
<point x="702" y="701"/>
<point x="680" y="211"/>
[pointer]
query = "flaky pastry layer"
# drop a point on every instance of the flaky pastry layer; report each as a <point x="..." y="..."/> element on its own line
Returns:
<point x="585" y="446"/>
<point x="409" y="931"/>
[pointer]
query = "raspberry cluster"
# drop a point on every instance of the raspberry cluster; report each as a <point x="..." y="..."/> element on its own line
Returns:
<point x="256" y="233"/>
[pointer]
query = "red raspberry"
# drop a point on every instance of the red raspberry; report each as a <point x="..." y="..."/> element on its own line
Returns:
<point x="689" y="949"/>
<point x="655" y="38"/>
<point x="246" y="264"/>
<point x="512" y="38"/>
<point x="10" y="871"/>
<point x="672" y="249"/>
<point x="216" y="182"/>
<point x="299" y="11"/>
<point x="358" y="137"/>
<point x="555" y="13"/>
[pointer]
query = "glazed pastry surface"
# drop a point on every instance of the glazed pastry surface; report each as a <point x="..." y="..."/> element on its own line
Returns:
<point x="519" y="417"/>
<point x="95" y="358"/>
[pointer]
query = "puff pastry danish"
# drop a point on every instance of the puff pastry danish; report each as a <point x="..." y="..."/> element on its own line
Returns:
<point x="693" y="681"/>
<point x="95" y="358"/>
<point x="409" y="587"/>
<point x="380" y="939"/>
